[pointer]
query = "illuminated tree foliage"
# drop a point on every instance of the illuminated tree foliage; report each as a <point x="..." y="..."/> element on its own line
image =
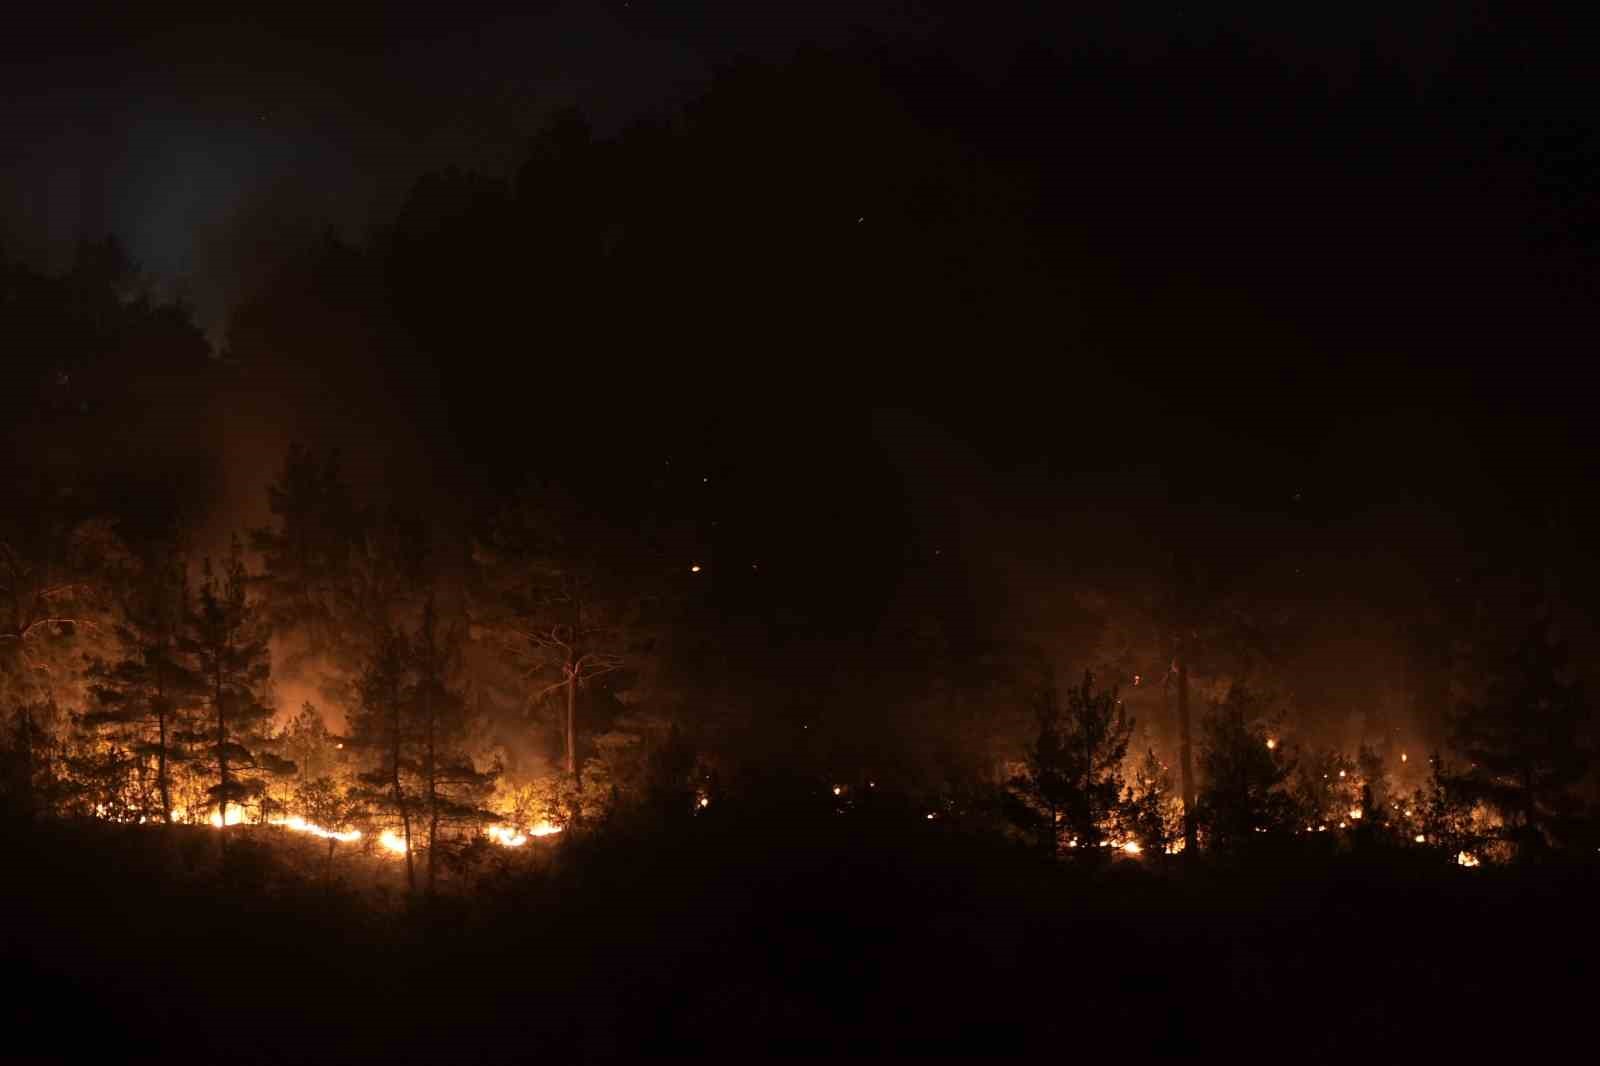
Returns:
<point x="453" y="789"/>
<point x="228" y="642"/>
<point x="149" y="697"/>
<point x="381" y="726"/>
<point x="54" y="608"/>
<point x="1073" y="786"/>
<point x="412" y="724"/>
<point x="1153" y="811"/>
<point x="1524" y="744"/>
<point x="332" y="807"/>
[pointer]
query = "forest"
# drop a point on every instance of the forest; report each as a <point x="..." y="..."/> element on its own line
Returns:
<point x="706" y="589"/>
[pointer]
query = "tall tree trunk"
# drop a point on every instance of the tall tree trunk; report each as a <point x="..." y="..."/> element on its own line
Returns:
<point x="162" y="781"/>
<point x="1186" y="759"/>
<point x="572" y="718"/>
<point x="400" y="799"/>
<point x="433" y="792"/>
<point x="161" y="768"/>
<point x="222" y="754"/>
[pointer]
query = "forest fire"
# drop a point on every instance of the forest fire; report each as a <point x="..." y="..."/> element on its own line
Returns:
<point x="505" y="836"/>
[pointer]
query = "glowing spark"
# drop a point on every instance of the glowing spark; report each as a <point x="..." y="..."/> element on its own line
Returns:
<point x="1341" y="773"/>
<point x="695" y="569"/>
<point x="1402" y="756"/>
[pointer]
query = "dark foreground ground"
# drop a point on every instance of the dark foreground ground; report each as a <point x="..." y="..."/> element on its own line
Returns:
<point x="780" y="935"/>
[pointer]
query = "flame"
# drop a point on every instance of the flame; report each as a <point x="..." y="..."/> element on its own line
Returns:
<point x="506" y="836"/>
<point x="1131" y="848"/>
<point x="1355" y="813"/>
<point x="300" y="825"/>
<point x="1272" y="743"/>
<point x="1420" y="839"/>
<point x="390" y="842"/>
<point x="543" y="829"/>
<point x="1466" y="858"/>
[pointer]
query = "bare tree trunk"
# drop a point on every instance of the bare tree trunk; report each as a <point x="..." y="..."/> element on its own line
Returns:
<point x="572" y="719"/>
<point x="222" y="755"/>
<point x="400" y="797"/>
<point x="1186" y="760"/>
<point x="433" y="793"/>
<point x="162" y="781"/>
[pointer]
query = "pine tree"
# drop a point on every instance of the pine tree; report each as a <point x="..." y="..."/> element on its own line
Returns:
<point x="1243" y="792"/>
<point x="148" y="697"/>
<point x="382" y="727"/>
<point x="228" y="642"/>
<point x="453" y="790"/>
<point x="322" y="802"/>
<point x="1154" y="812"/>
<point x="1524" y="744"/>
<point x="1073" y="782"/>
<point x="558" y="599"/>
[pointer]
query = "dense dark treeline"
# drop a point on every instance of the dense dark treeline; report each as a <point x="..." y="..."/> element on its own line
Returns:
<point x="624" y="497"/>
<point x="612" y="317"/>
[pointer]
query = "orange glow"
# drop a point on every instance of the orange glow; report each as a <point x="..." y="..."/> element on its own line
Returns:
<point x="695" y="569"/>
<point x="837" y="790"/>
<point x="1402" y="756"/>
<point x="1420" y="839"/>
<point x="505" y="836"/>
<point x="235" y="816"/>
<point x="1272" y="743"/>
<point x="544" y="829"/>
<point x="1131" y="848"/>
<point x="1355" y="813"/>
<point x="1466" y="858"/>
<point x="390" y="842"/>
<point x="300" y="825"/>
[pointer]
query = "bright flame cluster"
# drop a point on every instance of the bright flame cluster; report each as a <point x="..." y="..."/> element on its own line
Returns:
<point x="294" y="823"/>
